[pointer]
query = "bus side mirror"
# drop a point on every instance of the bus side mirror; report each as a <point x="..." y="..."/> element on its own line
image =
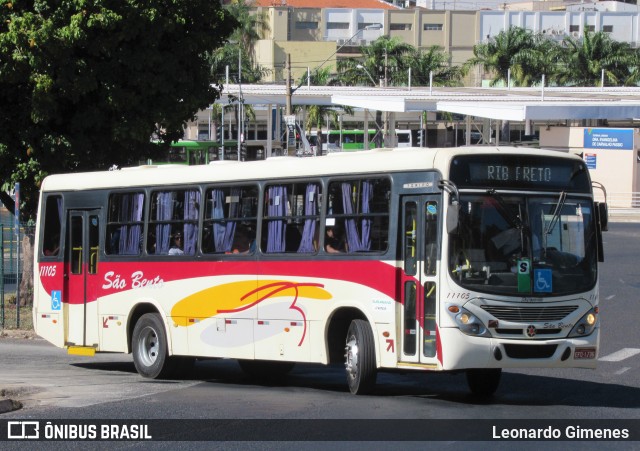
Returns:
<point x="603" y="215"/>
<point x="453" y="215"/>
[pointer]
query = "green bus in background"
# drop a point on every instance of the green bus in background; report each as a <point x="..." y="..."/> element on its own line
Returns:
<point x="191" y="152"/>
<point x="350" y="140"/>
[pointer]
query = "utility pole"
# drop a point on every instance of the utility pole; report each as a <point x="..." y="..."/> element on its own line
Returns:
<point x="289" y="117"/>
<point x="385" y="136"/>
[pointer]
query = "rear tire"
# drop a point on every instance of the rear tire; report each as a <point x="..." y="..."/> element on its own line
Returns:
<point x="149" y="347"/>
<point x="360" y="358"/>
<point x="484" y="382"/>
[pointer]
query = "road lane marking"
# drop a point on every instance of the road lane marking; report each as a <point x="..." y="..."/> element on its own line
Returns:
<point x="623" y="370"/>
<point x="620" y="355"/>
<point x="608" y="298"/>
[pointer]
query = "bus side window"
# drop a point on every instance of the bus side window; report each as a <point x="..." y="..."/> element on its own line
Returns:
<point x="230" y="220"/>
<point x="360" y="208"/>
<point x="52" y="226"/>
<point x="174" y="217"/>
<point x="292" y="215"/>
<point x="124" y="223"/>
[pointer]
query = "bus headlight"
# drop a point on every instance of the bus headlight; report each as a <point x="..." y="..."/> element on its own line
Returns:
<point x="586" y="325"/>
<point x="469" y="324"/>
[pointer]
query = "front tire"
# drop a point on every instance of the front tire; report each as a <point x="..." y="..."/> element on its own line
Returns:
<point x="484" y="382"/>
<point x="149" y="347"/>
<point x="360" y="358"/>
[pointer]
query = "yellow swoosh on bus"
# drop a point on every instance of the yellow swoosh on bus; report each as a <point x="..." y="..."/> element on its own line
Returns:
<point x="238" y="296"/>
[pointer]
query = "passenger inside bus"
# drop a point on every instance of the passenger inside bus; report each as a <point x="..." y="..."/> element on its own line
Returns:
<point x="333" y="244"/>
<point x="243" y="241"/>
<point x="53" y="247"/>
<point x="176" y="248"/>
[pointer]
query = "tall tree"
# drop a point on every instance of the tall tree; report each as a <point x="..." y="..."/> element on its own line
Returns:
<point x="84" y="84"/>
<point x="252" y="26"/>
<point x="384" y="59"/>
<point x="436" y="61"/>
<point x="531" y="63"/>
<point x="585" y="59"/>
<point x="501" y="52"/>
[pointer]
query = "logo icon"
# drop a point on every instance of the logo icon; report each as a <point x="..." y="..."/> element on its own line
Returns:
<point x="23" y="430"/>
<point x="531" y="331"/>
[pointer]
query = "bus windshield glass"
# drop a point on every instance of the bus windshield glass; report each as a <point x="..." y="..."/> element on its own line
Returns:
<point x="527" y="245"/>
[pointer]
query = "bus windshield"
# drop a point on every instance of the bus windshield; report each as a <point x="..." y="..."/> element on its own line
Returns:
<point x="538" y="245"/>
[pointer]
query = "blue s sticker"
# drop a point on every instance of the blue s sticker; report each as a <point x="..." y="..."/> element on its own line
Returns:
<point x="56" y="300"/>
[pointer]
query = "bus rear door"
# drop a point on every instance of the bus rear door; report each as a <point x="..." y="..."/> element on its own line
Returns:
<point x="82" y="282"/>
<point x="419" y="283"/>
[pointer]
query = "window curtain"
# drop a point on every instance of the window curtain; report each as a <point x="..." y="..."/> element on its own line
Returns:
<point x="131" y="207"/>
<point x="223" y="233"/>
<point x="308" y="233"/>
<point x="164" y="212"/>
<point x="190" y="232"/>
<point x="367" y="195"/>
<point x="277" y="228"/>
<point x="355" y="241"/>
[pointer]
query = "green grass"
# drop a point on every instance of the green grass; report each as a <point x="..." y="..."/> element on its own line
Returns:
<point x="10" y="318"/>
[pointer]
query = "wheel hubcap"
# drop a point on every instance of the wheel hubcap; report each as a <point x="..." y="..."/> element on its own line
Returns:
<point x="351" y="357"/>
<point x="148" y="346"/>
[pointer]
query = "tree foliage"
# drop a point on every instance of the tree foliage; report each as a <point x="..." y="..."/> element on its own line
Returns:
<point x="502" y="53"/>
<point x="584" y="61"/>
<point x="84" y="84"/>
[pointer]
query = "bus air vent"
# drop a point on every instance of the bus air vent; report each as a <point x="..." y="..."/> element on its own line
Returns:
<point x="530" y="314"/>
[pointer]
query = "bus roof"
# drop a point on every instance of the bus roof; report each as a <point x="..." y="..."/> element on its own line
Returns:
<point x="362" y="162"/>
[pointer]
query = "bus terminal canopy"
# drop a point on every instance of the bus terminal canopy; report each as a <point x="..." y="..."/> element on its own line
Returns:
<point x="514" y="104"/>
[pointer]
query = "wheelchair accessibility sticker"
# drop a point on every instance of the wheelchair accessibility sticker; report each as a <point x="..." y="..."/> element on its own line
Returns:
<point x="542" y="281"/>
<point x="56" y="300"/>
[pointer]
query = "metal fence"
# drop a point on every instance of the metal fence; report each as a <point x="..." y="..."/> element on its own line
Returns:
<point x="12" y="315"/>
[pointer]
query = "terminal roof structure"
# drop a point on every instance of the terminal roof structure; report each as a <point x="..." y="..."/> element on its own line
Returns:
<point x="511" y="104"/>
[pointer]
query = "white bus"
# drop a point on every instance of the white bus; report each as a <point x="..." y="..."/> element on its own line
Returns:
<point x="473" y="259"/>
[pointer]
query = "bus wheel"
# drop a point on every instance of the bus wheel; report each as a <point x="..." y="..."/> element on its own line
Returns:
<point x="360" y="358"/>
<point x="484" y="382"/>
<point x="149" y="345"/>
<point x="266" y="370"/>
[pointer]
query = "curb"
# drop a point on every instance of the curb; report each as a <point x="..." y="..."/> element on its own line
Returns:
<point x="9" y="405"/>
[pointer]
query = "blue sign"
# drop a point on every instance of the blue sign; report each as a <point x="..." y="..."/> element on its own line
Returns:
<point x="608" y="138"/>
<point x="590" y="160"/>
<point x="542" y="282"/>
<point x="56" y="300"/>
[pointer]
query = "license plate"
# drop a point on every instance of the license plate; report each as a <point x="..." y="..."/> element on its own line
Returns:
<point x="584" y="353"/>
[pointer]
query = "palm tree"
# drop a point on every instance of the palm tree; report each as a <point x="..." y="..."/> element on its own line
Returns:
<point x="584" y="60"/>
<point x="253" y="26"/>
<point x="531" y="63"/>
<point x="433" y="60"/>
<point x="501" y="53"/>
<point x="385" y="59"/>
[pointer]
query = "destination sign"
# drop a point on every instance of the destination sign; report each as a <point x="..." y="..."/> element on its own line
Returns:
<point x="517" y="173"/>
<point x="503" y="171"/>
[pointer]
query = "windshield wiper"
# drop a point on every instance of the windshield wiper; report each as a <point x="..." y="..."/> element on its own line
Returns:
<point x="513" y="219"/>
<point x="556" y="213"/>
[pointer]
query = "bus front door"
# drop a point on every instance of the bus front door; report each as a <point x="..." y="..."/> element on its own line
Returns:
<point x="417" y="324"/>
<point x="81" y="271"/>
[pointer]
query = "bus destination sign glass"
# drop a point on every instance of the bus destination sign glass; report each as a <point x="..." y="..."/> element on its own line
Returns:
<point x="514" y="171"/>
